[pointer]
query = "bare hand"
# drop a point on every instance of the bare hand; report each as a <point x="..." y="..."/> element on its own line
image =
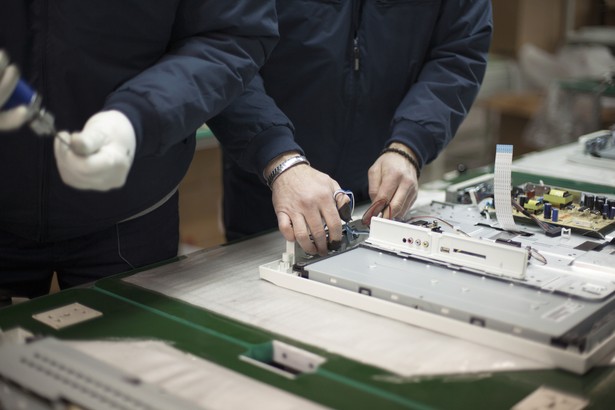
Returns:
<point x="303" y="202"/>
<point x="393" y="183"/>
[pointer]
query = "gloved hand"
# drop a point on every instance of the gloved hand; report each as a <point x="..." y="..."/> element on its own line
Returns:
<point x="15" y="117"/>
<point x="393" y="183"/>
<point x="304" y="201"/>
<point x="100" y="156"/>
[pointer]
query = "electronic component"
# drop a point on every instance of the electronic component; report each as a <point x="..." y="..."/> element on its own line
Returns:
<point x="558" y="197"/>
<point x="448" y="249"/>
<point x="548" y="298"/>
<point x="582" y="212"/>
<point x="534" y="205"/>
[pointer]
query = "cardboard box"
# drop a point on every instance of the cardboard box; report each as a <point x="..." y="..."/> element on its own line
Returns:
<point x="200" y="196"/>
<point x="516" y="22"/>
<point x="509" y="115"/>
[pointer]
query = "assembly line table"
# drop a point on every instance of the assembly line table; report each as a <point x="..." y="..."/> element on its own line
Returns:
<point x="211" y="304"/>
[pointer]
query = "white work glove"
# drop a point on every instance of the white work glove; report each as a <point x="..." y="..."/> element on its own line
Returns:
<point x="9" y="76"/>
<point x="100" y="156"/>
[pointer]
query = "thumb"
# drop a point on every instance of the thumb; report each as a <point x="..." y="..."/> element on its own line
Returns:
<point x="106" y="128"/>
<point x="86" y="142"/>
<point x="9" y="77"/>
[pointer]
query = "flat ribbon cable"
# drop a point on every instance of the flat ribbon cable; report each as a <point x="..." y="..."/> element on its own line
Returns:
<point x="502" y="187"/>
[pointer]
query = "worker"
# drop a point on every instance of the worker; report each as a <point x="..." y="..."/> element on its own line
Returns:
<point x="358" y="95"/>
<point x="129" y="81"/>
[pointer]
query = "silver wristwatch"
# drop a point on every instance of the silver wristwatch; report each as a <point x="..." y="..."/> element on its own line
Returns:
<point x="283" y="166"/>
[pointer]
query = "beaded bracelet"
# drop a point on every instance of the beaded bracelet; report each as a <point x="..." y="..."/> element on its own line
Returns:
<point x="407" y="156"/>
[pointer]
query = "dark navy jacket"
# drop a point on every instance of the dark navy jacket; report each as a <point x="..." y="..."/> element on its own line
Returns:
<point x="168" y="65"/>
<point x="352" y="76"/>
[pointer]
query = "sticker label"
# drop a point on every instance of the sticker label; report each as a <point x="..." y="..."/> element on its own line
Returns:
<point x="563" y="311"/>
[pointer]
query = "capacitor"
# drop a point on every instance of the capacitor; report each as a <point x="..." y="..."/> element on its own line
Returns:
<point x="554" y="214"/>
<point x="588" y="201"/>
<point x="600" y="201"/>
<point x="606" y="210"/>
<point x="547" y="210"/>
<point x="522" y="199"/>
<point x="599" y="205"/>
<point x="612" y="212"/>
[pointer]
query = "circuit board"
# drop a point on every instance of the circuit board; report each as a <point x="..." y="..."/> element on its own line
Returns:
<point x="585" y="213"/>
<point x="582" y="212"/>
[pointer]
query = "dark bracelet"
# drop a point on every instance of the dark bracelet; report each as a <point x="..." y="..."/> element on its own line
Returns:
<point x="407" y="156"/>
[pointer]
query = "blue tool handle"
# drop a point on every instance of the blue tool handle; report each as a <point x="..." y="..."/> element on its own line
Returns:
<point x="23" y="95"/>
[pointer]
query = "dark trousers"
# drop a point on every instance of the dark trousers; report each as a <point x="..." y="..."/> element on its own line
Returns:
<point x="246" y="203"/>
<point x="27" y="267"/>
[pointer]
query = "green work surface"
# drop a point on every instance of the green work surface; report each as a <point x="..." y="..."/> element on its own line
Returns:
<point x="130" y="312"/>
<point x="204" y="133"/>
<point x="594" y="86"/>
<point x="520" y="178"/>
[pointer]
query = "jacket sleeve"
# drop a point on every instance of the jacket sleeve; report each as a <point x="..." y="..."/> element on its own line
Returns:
<point x="253" y="130"/>
<point x="434" y="107"/>
<point x="216" y="48"/>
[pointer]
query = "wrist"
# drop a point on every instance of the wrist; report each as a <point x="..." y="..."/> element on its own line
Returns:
<point x="281" y="164"/>
<point x="278" y="160"/>
<point x="406" y="152"/>
<point x="403" y="147"/>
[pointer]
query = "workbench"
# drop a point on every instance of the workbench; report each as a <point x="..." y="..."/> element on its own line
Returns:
<point x="212" y="305"/>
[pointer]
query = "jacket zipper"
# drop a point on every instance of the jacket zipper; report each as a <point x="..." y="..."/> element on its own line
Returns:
<point x="357" y="11"/>
<point x="356" y="54"/>
<point x="353" y="80"/>
<point x="44" y="184"/>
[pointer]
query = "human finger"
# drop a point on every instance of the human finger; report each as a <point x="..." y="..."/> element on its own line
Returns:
<point x="285" y="226"/>
<point x="344" y="201"/>
<point x="13" y="118"/>
<point x="8" y="82"/>
<point x="374" y="210"/>
<point x="302" y="235"/>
